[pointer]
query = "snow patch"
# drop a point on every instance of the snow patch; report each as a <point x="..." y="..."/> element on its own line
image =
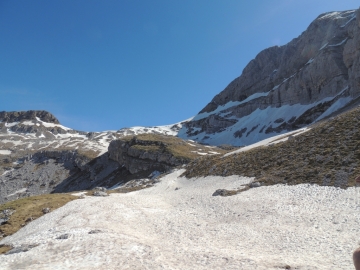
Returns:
<point x="323" y="46"/>
<point x="310" y="61"/>
<point x="46" y="124"/>
<point x="339" y="44"/>
<point x="28" y="123"/>
<point x="351" y="18"/>
<point x="340" y="103"/>
<point x="229" y="105"/>
<point x="269" y="141"/>
<point x="5" y="152"/>
<point x="11" y="124"/>
<point x="17" y="192"/>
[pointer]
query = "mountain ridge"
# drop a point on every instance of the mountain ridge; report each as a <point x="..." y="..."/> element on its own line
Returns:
<point x="288" y="87"/>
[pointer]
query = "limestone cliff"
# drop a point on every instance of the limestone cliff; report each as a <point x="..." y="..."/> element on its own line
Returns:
<point x="287" y="87"/>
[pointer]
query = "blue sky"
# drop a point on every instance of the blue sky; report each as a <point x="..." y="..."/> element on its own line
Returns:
<point x="104" y="65"/>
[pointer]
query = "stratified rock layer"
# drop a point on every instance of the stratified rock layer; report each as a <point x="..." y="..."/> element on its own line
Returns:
<point x="142" y="153"/>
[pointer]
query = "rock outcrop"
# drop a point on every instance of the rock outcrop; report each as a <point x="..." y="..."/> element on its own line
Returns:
<point x="287" y="87"/>
<point x="28" y="115"/>
<point x="147" y="153"/>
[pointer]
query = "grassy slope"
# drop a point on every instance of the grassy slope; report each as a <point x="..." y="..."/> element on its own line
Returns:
<point x="328" y="154"/>
<point x="31" y="207"/>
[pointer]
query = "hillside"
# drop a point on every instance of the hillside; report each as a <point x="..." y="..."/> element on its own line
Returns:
<point x="38" y="155"/>
<point x="328" y="153"/>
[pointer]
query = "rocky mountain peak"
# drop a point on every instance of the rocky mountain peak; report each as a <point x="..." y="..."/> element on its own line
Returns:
<point x="287" y="87"/>
<point x="28" y="115"/>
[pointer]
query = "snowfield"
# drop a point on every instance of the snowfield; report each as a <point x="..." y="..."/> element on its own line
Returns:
<point x="178" y="224"/>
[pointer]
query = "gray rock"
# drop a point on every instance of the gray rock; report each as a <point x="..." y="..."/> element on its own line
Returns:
<point x="255" y="184"/>
<point x="132" y="155"/>
<point x="63" y="236"/>
<point x="3" y="220"/>
<point x="22" y="248"/>
<point x="27" y="115"/>
<point x="46" y="210"/>
<point x="95" y="231"/>
<point x="103" y="189"/>
<point x="29" y="219"/>
<point x="7" y="212"/>
<point x="100" y="193"/>
<point x="224" y="192"/>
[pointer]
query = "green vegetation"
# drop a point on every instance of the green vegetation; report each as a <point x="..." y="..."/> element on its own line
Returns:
<point x="5" y="248"/>
<point x="27" y="209"/>
<point x="328" y="154"/>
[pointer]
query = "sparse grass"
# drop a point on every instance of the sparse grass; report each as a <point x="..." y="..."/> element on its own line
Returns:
<point x="175" y="146"/>
<point x="31" y="207"/>
<point x="5" y="248"/>
<point x="226" y="193"/>
<point x="328" y="154"/>
<point x="90" y="154"/>
<point x="128" y="189"/>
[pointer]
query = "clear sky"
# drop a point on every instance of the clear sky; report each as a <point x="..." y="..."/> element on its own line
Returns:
<point x="104" y="65"/>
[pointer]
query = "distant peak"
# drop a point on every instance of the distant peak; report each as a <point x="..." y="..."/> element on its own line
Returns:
<point x="17" y="116"/>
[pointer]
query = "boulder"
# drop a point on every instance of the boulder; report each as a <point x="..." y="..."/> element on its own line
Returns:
<point x="100" y="193"/>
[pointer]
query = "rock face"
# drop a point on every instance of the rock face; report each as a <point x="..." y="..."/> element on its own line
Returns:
<point x="144" y="155"/>
<point x="28" y="115"/>
<point x="38" y="173"/>
<point x="288" y="87"/>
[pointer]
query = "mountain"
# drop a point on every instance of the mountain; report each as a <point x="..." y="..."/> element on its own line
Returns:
<point x="313" y="77"/>
<point x="289" y="201"/>
<point x="288" y="87"/>
<point x="39" y="155"/>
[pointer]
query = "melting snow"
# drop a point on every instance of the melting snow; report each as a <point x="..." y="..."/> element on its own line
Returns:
<point x="28" y="123"/>
<point x="310" y="61"/>
<point x="46" y="124"/>
<point x="323" y="46"/>
<point x="178" y="224"/>
<point x="229" y="105"/>
<point x="11" y="124"/>
<point x="269" y="141"/>
<point x="5" y="152"/>
<point x="16" y="192"/>
<point x="339" y="44"/>
<point x="340" y="103"/>
<point x="351" y="18"/>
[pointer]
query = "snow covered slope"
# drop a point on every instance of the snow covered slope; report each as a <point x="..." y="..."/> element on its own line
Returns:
<point x="286" y="88"/>
<point x="32" y="134"/>
<point x="178" y="224"/>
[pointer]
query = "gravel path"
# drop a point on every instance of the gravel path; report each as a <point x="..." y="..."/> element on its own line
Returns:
<point x="178" y="224"/>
